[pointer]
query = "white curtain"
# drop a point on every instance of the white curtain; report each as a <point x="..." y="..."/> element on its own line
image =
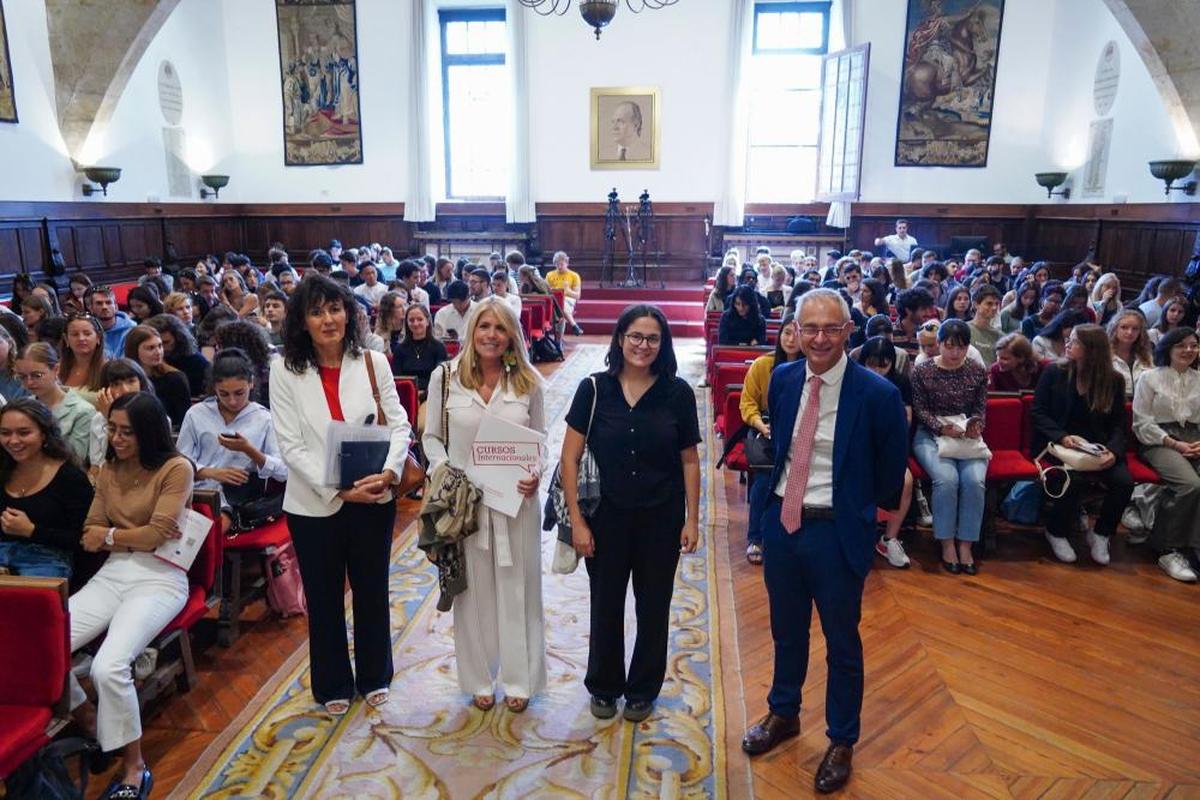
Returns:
<point x="418" y="203"/>
<point x="841" y="25"/>
<point x="518" y="203"/>
<point x="730" y="208"/>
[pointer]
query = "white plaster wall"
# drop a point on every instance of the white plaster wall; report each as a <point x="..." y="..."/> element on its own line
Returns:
<point x="257" y="115"/>
<point x="1142" y="129"/>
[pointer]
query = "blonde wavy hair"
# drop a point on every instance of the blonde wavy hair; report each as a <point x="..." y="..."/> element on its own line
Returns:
<point x="519" y="374"/>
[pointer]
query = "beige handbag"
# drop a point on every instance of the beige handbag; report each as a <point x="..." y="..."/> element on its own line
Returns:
<point x="1071" y="460"/>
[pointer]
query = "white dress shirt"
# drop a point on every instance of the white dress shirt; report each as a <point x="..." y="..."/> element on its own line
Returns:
<point x="819" y="491"/>
<point x="1165" y="396"/>
<point x="448" y="319"/>
<point x="372" y="294"/>
<point x="901" y="248"/>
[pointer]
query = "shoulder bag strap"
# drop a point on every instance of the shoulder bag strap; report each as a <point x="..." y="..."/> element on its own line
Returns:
<point x="380" y="418"/>
<point x="591" y="416"/>
<point x="445" y="412"/>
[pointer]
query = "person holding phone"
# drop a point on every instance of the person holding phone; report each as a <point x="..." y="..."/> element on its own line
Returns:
<point x="450" y="322"/>
<point x="229" y="437"/>
<point x="327" y="375"/>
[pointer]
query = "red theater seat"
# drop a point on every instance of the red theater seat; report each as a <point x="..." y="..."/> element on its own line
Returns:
<point x="1002" y="433"/>
<point x="243" y="550"/>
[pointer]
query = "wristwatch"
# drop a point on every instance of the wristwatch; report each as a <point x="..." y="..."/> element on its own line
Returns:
<point x="108" y="538"/>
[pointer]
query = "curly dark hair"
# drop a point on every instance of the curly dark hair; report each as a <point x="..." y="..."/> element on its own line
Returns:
<point x="54" y="445"/>
<point x="216" y="317"/>
<point x="185" y="343"/>
<point x="315" y="291"/>
<point x="251" y="340"/>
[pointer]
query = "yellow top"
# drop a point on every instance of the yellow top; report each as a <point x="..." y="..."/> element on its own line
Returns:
<point x="754" y="389"/>
<point x="563" y="280"/>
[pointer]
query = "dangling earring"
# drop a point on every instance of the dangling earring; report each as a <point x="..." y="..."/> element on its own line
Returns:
<point x="510" y="360"/>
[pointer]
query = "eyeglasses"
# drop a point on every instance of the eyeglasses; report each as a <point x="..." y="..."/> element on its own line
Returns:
<point x="637" y="340"/>
<point x="830" y="331"/>
<point x="118" y="430"/>
<point x="76" y="315"/>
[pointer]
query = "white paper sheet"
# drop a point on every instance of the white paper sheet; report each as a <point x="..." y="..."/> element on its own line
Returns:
<point x="502" y="454"/>
<point x="348" y="432"/>
<point x="182" y="552"/>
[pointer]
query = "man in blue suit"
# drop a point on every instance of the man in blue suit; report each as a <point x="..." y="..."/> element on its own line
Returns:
<point x="841" y="447"/>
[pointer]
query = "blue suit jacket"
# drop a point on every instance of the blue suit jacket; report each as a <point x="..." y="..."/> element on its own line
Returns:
<point x="870" y="450"/>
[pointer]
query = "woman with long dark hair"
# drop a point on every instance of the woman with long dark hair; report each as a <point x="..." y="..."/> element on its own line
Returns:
<point x="144" y="303"/>
<point x="1076" y="403"/>
<point x="180" y="351"/>
<point x="1024" y="304"/>
<point x="873" y="298"/>
<point x="324" y="376"/>
<point x="144" y="345"/>
<point x="754" y="413"/>
<point x="141" y="495"/>
<point x="1051" y="341"/>
<point x="726" y="282"/>
<point x="82" y="348"/>
<point x="742" y="322"/>
<point x="44" y="495"/>
<point x="643" y="436"/>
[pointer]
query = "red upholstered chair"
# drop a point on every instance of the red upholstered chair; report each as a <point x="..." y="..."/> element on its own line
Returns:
<point x="733" y="354"/>
<point x="121" y="294"/>
<point x="406" y="388"/>
<point x="527" y="323"/>
<point x="246" y="552"/>
<point x="1139" y="470"/>
<point x="203" y="580"/>
<point x="452" y="347"/>
<point x="1003" y="434"/>
<point x="726" y="376"/>
<point x="35" y="657"/>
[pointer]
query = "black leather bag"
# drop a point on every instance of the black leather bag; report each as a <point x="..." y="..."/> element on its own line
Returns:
<point x="45" y="775"/>
<point x="760" y="451"/>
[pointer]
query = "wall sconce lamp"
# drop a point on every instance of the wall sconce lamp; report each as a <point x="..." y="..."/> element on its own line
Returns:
<point x="1052" y="180"/>
<point x="214" y="182"/>
<point x="1172" y="170"/>
<point x="102" y="176"/>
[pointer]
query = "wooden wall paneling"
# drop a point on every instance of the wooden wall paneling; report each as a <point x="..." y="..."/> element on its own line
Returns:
<point x="11" y="258"/>
<point x="192" y="238"/>
<point x="133" y="241"/>
<point x="65" y="236"/>
<point x="89" y="247"/>
<point x="114" y="254"/>
<point x="1063" y="242"/>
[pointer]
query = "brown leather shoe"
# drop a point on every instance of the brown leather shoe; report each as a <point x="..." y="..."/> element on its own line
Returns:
<point x="835" y="768"/>
<point x="768" y="732"/>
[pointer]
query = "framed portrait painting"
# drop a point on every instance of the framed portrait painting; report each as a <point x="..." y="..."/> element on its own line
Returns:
<point x="948" y="82"/>
<point x="318" y="66"/>
<point x="8" y="100"/>
<point x="625" y="127"/>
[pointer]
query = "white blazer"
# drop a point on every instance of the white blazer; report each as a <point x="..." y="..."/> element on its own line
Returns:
<point x="301" y="417"/>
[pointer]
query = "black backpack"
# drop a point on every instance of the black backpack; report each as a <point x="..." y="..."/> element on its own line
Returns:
<point x="44" y="775"/>
<point x="545" y="349"/>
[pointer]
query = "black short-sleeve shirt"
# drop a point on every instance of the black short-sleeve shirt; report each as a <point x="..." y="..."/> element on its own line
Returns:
<point x="638" y="449"/>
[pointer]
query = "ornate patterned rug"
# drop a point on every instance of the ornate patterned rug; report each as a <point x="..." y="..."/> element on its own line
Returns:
<point x="430" y="742"/>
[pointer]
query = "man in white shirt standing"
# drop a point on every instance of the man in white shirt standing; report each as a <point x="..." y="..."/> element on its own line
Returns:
<point x="900" y="243"/>
<point x="450" y="322"/>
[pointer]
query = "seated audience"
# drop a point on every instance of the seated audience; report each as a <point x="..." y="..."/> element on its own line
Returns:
<point x="141" y="495"/>
<point x="82" y="347"/>
<point x="873" y="299"/>
<point x="720" y="297"/>
<point x="778" y="292"/>
<point x="116" y="326"/>
<point x="11" y="386"/>
<point x="1172" y="317"/>
<point x="252" y="341"/>
<point x="37" y="367"/>
<point x="1015" y="369"/>
<point x="951" y="385"/>
<point x="181" y="306"/>
<point x="984" y="331"/>
<point x="274" y="304"/>
<point x="1166" y="422"/>
<point x="206" y="331"/>
<point x="1051" y="303"/>
<point x="1106" y="297"/>
<point x="927" y="338"/>
<point x="418" y="354"/>
<point x="144" y="345"/>
<point x="1167" y="290"/>
<point x="1131" y="349"/>
<point x="753" y="407"/>
<point x="915" y="307"/>
<point x="450" y="322"/>
<point x="237" y="295"/>
<point x="743" y="323"/>
<point x="35" y="309"/>
<point x="143" y="303"/>
<point x="237" y="465"/>
<point x="389" y="321"/>
<point x="563" y="278"/>
<point x="1078" y="402"/>
<point x="118" y="377"/>
<point x="44" y="495"/>
<point x="180" y="351"/>
<point x="1051" y="340"/>
<point x="1025" y="304"/>
<point x="371" y="289"/>
<point x="879" y="355"/>
<point x="408" y="276"/>
<point x="958" y="304"/>
<point x="75" y="300"/>
<point x="500" y="289"/>
<point x="152" y="272"/>
<point x="479" y="282"/>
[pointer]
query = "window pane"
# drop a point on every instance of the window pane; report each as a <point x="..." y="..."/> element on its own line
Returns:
<point x="494" y="36"/>
<point x="785" y="117"/>
<point x="478" y="136"/>
<point x="789" y="30"/>
<point x="781" y="174"/>
<point x="456" y="37"/>
<point x="810" y="31"/>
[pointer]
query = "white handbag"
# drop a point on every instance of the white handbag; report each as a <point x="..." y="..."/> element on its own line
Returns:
<point x="963" y="448"/>
<point x="1090" y="459"/>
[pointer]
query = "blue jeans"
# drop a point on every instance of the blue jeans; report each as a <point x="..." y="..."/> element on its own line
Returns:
<point x="760" y="493"/>
<point x="958" y="490"/>
<point x="34" y="560"/>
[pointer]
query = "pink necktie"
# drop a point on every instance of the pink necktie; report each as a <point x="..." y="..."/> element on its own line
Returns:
<point x="802" y="446"/>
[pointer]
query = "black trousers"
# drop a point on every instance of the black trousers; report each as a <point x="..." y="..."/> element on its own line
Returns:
<point x="356" y="543"/>
<point x="1118" y="484"/>
<point x="642" y="543"/>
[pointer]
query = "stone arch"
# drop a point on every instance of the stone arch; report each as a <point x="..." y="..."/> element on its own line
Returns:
<point x="1165" y="35"/>
<point x="94" y="47"/>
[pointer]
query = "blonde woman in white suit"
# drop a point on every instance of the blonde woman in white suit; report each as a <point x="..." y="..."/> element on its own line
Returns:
<point x="323" y="376"/>
<point x="498" y="622"/>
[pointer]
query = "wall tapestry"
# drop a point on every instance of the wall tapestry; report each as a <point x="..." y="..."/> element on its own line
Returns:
<point x="948" y="82"/>
<point x="8" y="100"/>
<point x="318" y="65"/>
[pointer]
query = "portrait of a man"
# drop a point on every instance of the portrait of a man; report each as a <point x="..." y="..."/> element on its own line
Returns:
<point x="625" y="131"/>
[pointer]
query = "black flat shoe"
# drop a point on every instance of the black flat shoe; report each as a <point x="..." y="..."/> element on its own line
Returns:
<point x="969" y="569"/>
<point x="953" y="567"/>
<point x="603" y="707"/>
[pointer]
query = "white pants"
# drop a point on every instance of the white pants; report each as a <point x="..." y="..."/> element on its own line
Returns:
<point x="133" y="597"/>
<point x="498" y="626"/>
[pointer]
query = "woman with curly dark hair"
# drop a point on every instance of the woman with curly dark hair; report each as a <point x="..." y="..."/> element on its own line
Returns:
<point x="179" y="350"/>
<point x="252" y="340"/>
<point x="325" y="376"/>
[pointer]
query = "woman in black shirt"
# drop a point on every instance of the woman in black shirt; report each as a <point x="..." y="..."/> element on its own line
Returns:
<point x="44" y="496"/>
<point x="643" y="436"/>
<point x="1083" y="401"/>
<point x="742" y="322"/>
<point x="418" y="353"/>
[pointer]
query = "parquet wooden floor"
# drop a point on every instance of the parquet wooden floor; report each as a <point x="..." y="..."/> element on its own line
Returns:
<point x="1034" y="679"/>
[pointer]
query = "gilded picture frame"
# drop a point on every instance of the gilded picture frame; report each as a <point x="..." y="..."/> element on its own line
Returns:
<point x="626" y="127"/>
<point x="8" y="97"/>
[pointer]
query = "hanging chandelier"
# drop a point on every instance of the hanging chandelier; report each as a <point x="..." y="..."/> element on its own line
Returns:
<point x="596" y="13"/>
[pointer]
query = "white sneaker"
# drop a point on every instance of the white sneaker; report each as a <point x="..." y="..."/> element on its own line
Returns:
<point x="924" y="515"/>
<point x="893" y="551"/>
<point x="1098" y="546"/>
<point x="1133" y="522"/>
<point x="1062" y="548"/>
<point x="1176" y="565"/>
